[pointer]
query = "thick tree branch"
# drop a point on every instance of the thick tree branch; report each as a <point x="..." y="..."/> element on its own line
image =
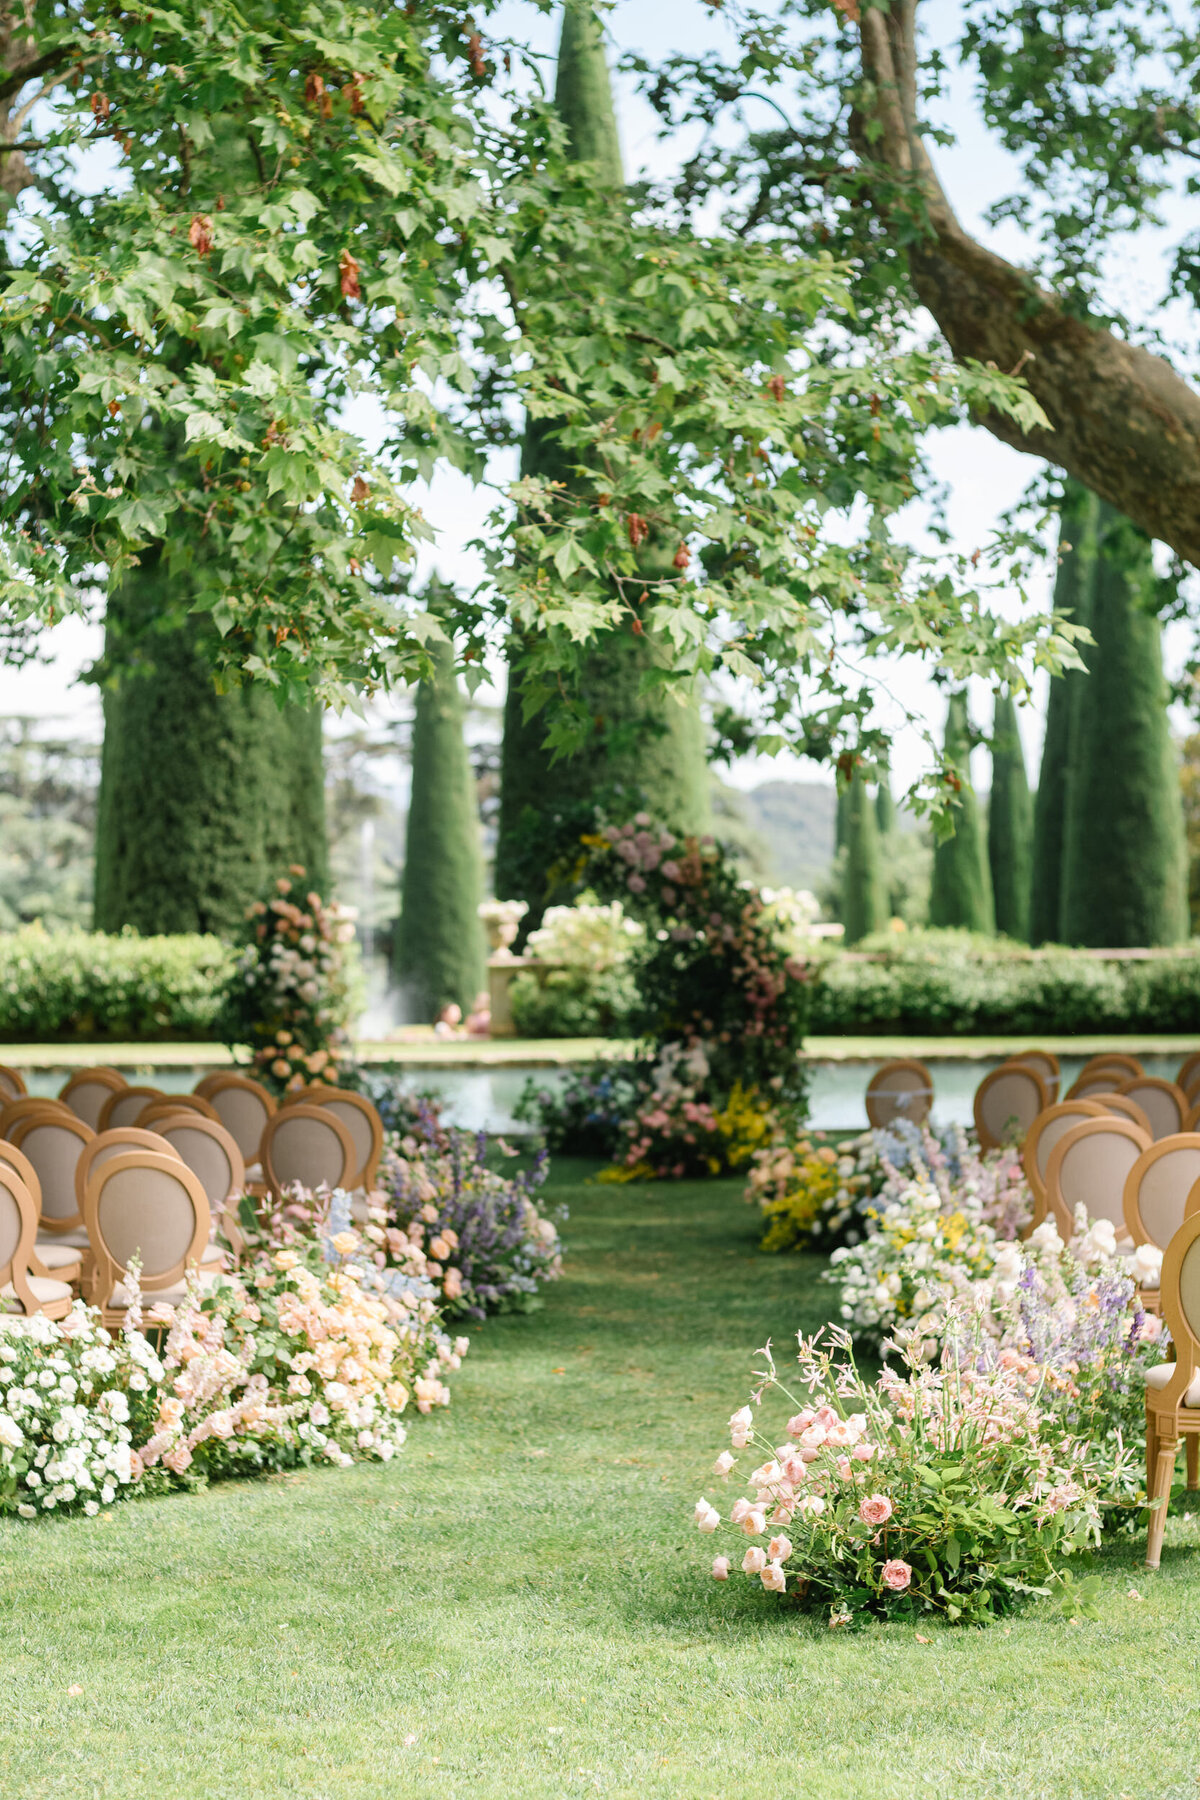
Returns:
<point x="1124" y="422"/>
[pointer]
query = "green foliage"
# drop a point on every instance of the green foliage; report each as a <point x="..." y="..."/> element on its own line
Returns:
<point x="47" y="825"/>
<point x="1073" y="598"/>
<point x="203" y="796"/>
<point x="951" y="983"/>
<point x="961" y="893"/>
<point x="1010" y="825"/>
<point x="587" y="988"/>
<point x="864" y="906"/>
<point x="439" y="954"/>
<point x="1124" y="880"/>
<point x="78" y="984"/>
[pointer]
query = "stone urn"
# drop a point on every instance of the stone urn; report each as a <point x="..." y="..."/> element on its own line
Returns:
<point x="502" y="921"/>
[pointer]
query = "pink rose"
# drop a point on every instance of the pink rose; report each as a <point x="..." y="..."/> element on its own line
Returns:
<point x="779" y="1548"/>
<point x="774" y="1579"/>
<point x="739" y="1427"/>
<point x="740" y="1509"/>
<point x="895" y="1575"/>
<point x="876" y="1509"/>
<point x="720" y="1568"/>
<point x="800" y="1424"/>
<point x="707" y="1517"/>
<point x="862" y="1452"/>
<point x="755" y="1560"/>
<point x="723" y="1463"/>
<point x="755" y="1522"/>
<point x="842" y="1465"/>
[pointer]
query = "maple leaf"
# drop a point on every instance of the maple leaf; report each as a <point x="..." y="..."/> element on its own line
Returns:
<point x="200" y="234"/>
<point x="348" y="269"/>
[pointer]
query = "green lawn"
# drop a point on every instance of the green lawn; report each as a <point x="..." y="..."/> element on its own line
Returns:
<point x="524" y="1595"/>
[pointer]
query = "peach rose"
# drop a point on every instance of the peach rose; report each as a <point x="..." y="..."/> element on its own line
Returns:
<point x="720" y="1568"/>
<point x="779" y="1549"/>
<point x="707" y="1517"/>
<point x="755" y="1560"/>
<point x="895" y="1575"/>
<point x="875" y="1509"/>
<point x="723" y="1463"/>
<point x="774" y="1579"/>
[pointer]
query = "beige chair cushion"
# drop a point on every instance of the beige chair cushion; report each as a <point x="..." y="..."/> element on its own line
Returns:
<point x="77" y="1238"/>
<point x="44" y="1290"/>
<point x="213" y="1257"/>
<point x="1159" y="1376"/>
<point x="54" y="1253"/>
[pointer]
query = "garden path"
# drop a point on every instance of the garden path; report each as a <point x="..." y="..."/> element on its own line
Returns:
<point x="522" y="1595"/>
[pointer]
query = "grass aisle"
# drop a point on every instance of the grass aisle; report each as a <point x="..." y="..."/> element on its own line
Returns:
<point x="524" y="1594"/>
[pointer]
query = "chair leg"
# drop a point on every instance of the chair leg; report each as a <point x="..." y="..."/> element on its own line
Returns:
<point x="1193" y="1461"/>
<point x="1164" y="1470"/>
<point x="1151" y="1449"/>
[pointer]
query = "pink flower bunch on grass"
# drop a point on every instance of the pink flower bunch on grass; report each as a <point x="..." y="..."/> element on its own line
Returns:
<point x="946" y="1490"/>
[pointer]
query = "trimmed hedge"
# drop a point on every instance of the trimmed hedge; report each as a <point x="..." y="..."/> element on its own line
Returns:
<point x="86" y="985"/>
<point x="956" y="984"/>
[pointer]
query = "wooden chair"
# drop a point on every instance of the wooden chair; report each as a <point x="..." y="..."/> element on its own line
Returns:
<point x="1112" y="1059"/>
<point x="20" y="1289"/>
<point x="1188" y="1077"/>
<point x="124" y="1106"/>
<point x="1173" y="1388"/>
<point x="244" y="1108"/>
<point x="363" y="1123"/>
<point x="1126" y="1109"/>
<point x="54" y="1145"/>
<point x="1091" y="1164"/>
<point x="1046" y="1066"/>
<point x="211" y="1154"/>
<point x="899" y="1090"/>
<point x="30" y="1106"/>
<point x="1091" y="1085"/>
<point x="170" y="1104"/>
<point x="1158" y="1187"/>
<point x="1040" y="1139"/>
<point x="311" y="1094"/>
<point x="12" y="1084"/>
<point x="48" y="1259"/>
<point x="87" y="1091"/>
<point x="309" y="1145"/>
<point x="150" y="1206"/>
<point x="1007" y="1102"/>
<point x="1164" y="1104"/>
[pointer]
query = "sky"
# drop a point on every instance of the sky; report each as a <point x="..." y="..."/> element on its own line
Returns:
<point x="983" y="476"/>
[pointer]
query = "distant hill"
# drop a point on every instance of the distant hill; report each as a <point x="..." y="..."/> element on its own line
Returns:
<point x="785" y="829"/>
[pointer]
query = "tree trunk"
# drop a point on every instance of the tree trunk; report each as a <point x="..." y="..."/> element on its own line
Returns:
<point x="1120" y="419"/>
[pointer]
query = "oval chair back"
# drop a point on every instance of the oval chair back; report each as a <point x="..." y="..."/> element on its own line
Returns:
<point x="1157" y="1188"/>
<point x="1164" y="1104"/>
<point x="899" y="1090"/>
<point x="1007" y="1102"/>
<point x="1112" y="1059"/>
<point x="125" y="1106"/>
<point x="30" y="1106"/>
<point x="170" y="1104"/>
<point x="1089" y="1167"/>
<point x="1191" y="1087"/>
<point x="1046" y="1066"/>
<point x="1125" y="1108"/>
<point x="309" y="1145"/>
<point x="54" y="1146"/>
<point x="1172" y="1396"/>
<point x="1040" y="1139"/>
<point x="12" y="1084"/>
<point x="150" y="1206"/>
<point x="209" y="1152"/>
<point x="88" y="1089"/>
<point x="1188" y="1077"/>
<point x="20" y="1289"/>
<point x="1094" y="1084"/>
<point x="244" y="1108"/>
<point x="311" y="1094"/>
<point x="117" y="1142"/>
<point x="365" y="1126"/>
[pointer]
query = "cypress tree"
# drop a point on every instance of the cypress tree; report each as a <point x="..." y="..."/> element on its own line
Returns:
<point x="1010" y="824"/>
<point x="204" y="797"/>
<point x="864" y="904"/>
<point x="961" y="893"/>
<point x="841" y="819"/>
<point x="439" y="942"/>
<point x="645" y="750"/>
<point x="885" y="806"/>
<point x="1073" y="596"/>
<point x="1124" y="879"/>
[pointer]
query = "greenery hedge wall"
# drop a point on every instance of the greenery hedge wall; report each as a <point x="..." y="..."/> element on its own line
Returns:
<point x="80" y="984"/>
<point x="956" y="984"/>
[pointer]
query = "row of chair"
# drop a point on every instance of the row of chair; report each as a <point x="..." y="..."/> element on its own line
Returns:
<point x="1010" y="1097"/>
<point x="76" y="1204"/>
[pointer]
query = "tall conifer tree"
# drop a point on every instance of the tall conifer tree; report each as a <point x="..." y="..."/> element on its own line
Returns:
<point x="439" y="950"/>
<point x="864" y="903"/>
<point x="885" y="806"/>
<point x="204" y="797"/>
<point x="645" y="751"/>
<point x="1073" y="596"/>
<point x="1124" y="879"/>
<point x="1010" y="824"/>
<point x="961" y="892"/>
